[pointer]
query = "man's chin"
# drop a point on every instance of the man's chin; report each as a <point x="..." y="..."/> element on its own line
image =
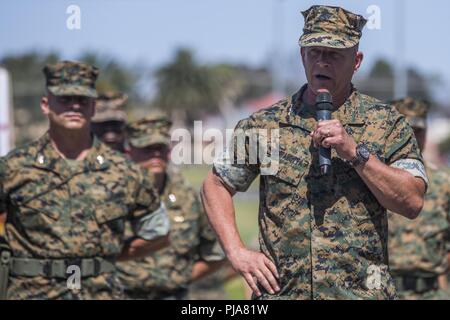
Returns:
<point x="323" y="85"/>
<point x="153" y="168"/>
<point x="315" y="84"/>
<point x="75" y="125"/>
<point x="156" y="170"/>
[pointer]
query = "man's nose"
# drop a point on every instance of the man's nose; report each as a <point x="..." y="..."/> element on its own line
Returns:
<point x="156" y="153"/>
<point x="322" y="60"/>
<point x="76" y="105"/>
<point x="110" y="136"/>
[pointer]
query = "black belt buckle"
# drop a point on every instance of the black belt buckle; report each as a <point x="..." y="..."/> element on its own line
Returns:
<point x="47" y="269"/>
<point x="73" y="262"/>
<point x="409" y="283"/>
<point x="97" y="267"/>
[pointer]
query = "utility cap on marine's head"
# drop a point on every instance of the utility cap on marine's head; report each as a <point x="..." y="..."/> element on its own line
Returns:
<point x="415" y="111"/>
<point x="153" y="129"/>
<point x="331" y="27"/>
<point x="71" y="78"/>
<point x="110" y="107"/>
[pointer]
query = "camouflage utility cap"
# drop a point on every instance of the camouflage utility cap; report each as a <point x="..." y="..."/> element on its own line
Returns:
<point x="71" y="78"/>
<point x="110" y="107"/>
<point x="415" y="111"/>
<point x="153" y="129"/>
<point x="331" y="27"/>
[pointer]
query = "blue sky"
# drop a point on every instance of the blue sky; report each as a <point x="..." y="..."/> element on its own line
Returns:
<point x="147" y="32"/>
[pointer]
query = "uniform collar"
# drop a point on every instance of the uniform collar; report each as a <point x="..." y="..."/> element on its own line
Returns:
<point x="352" y="112"/>
<point x="47" y="158"/>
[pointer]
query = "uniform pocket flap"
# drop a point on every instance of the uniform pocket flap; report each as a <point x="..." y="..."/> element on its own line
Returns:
<point x="291" y="169"/>
<point x="110" y="211"/>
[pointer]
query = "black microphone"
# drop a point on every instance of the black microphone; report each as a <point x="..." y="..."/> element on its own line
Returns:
<point x="324" y="107"/>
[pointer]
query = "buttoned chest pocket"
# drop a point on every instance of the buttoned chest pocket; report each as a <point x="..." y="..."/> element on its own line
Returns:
<point x="283" y="193"/>
<point x="38" y="204"/>
<point x="111" y="215"/>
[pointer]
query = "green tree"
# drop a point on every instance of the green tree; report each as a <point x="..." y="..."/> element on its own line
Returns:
<point x="192" y="89"/>
<point x="380" y="82"/>
<point x="113" y="75"/>
<point x="185" y="86"/>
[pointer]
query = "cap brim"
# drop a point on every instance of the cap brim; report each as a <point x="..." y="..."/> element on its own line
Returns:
<point x="143" y="142"/>
<point x="99" y="117"/>
<point x="73" y="91"/>
<point x="326" y="40"/>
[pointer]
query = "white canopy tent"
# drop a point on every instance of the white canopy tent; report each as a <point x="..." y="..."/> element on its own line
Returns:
<point x="6" y="119"/>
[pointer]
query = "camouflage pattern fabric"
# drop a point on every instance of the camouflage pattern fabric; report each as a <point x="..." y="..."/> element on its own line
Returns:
<point x="327" y="235"/>
<point x="419" y="247"/>
<point x="192" y="239"/>
<point x="152" y="129"/>
<point x="331" y="27"/>
<point x="415" y="111"/>
<point x="58" y="211"/>
<point x="71" y="78"/>
<point x="110" y="107"/>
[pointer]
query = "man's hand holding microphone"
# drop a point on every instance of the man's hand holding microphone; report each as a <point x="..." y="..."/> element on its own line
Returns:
<point x="329" y="133"/>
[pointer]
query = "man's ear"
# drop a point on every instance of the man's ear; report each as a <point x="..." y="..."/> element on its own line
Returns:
<point x="45" y="107"/>
<point x="358" y="61"/>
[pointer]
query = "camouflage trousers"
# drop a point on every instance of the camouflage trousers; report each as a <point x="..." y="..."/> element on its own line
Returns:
<point x="180" y="294"/>
<point x="102" y="287"/>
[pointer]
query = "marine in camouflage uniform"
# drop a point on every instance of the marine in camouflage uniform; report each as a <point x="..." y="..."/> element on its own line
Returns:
<point x="167" y="274"/>
<point x="65" y="216"/>
<point x="110" y="118"/>
<point x="326" y="235"/>
<point x="418" y="249"/>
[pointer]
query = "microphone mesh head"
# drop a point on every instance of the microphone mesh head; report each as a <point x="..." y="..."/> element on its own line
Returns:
<point x="323" y="97"/>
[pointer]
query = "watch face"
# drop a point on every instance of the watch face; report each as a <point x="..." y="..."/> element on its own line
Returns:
<point x="364" y="152"/>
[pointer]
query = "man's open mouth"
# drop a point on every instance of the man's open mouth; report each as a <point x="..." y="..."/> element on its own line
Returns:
<point x="322" y="77"/>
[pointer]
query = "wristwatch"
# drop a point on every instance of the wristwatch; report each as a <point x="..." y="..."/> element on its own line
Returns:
<point x="362" y="155"/>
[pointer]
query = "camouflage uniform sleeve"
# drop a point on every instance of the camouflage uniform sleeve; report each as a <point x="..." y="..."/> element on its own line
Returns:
<point x="234" y="166"/>
<point x="149" y="219"/>
<point x="2" y="179"/>
<point x="209" y="248"/>
<point x="401" y="148"/>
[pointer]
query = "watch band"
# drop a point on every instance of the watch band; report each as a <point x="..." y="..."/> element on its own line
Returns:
<point x="359" y="158"/>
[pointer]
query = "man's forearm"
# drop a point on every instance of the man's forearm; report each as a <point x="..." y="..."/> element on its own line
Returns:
<point x="136" y="248"/>
<point x="218" y="203"/>
<point x="203" y="268"/>
<point x="395" y="189"/>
